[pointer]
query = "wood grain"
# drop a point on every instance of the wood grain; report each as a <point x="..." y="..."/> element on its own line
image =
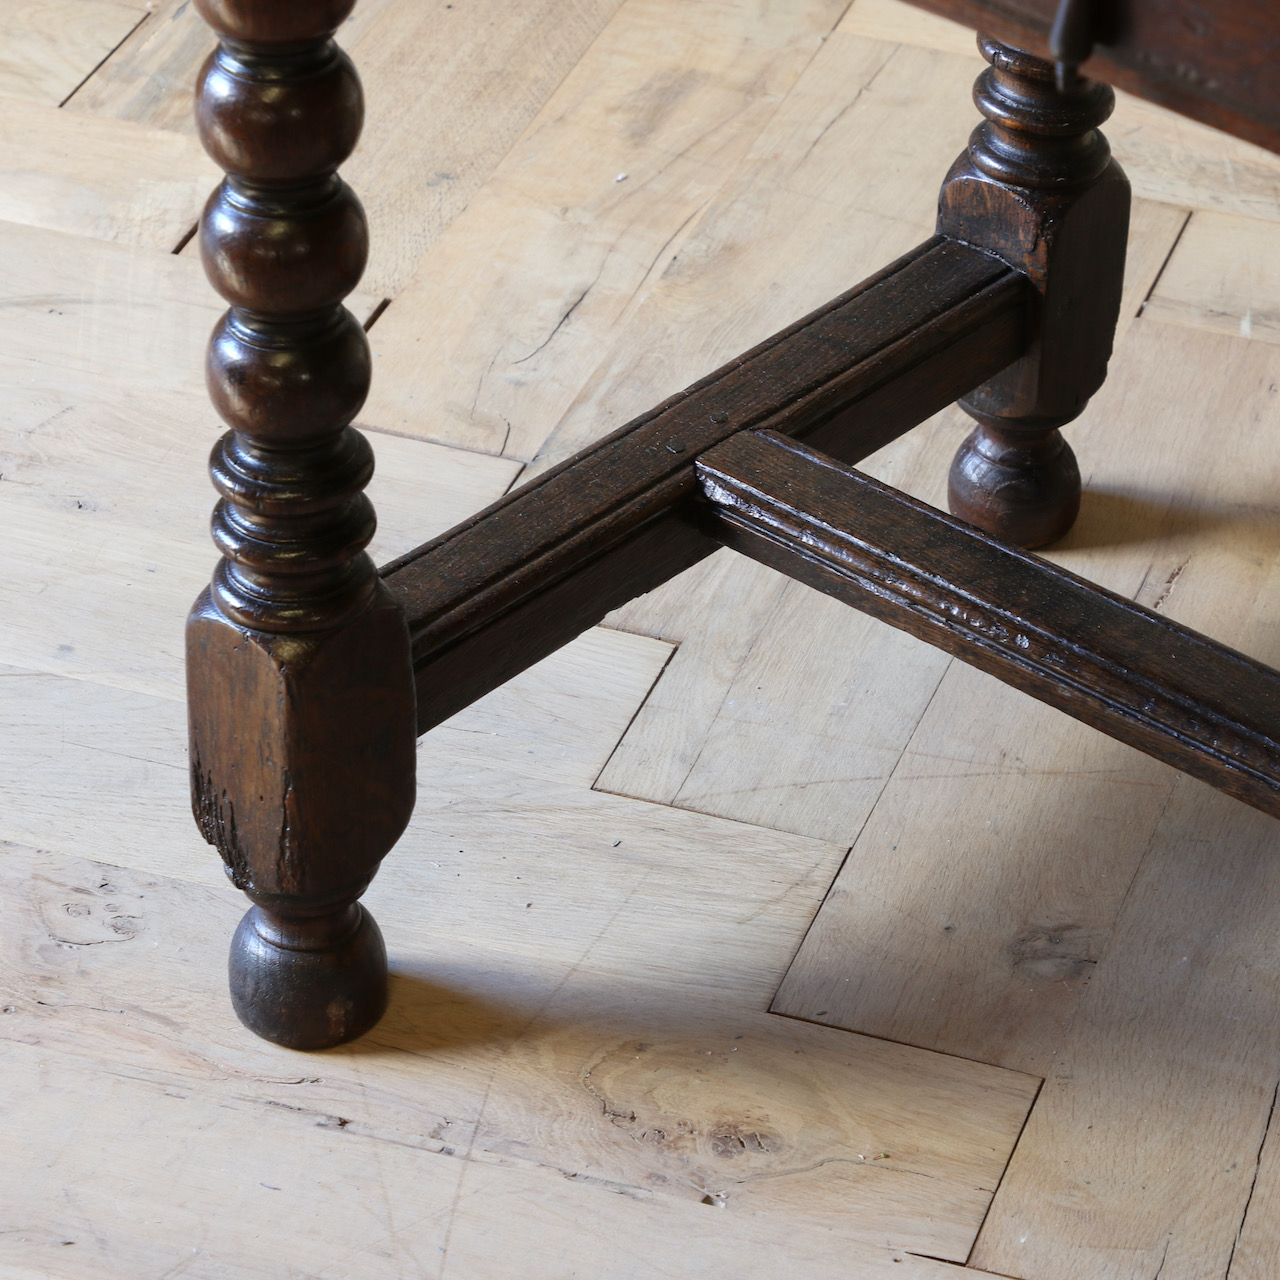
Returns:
<point x="1140" y="537"/>
<point x="951" y="937"/>
<point x="1171" y="692"/>
<point x="1166" y="156"/>
<point x="400" y="1213"/>
<point x="83" y="537"/>
<point x="1258" y="1246"/>
<point x="511" y="1002"/>
<point x="1223" y="276"/>
<point x="71" y="783"/>
<point x="508" y="587"/>
<point x="708" y="736"/>
<point x="150" y="77"/>
<point x="432" y="139"/>
<point x="632" y="1242"/>
<point x="155" y="331"/>
<point x="1140" y="1155"/>
<point x="810" y="208"/>
<point x="59" y="329"/>
<point x="897" y="22"/>
<point x="589" y="208"/>
<point x="105" y="179"/>
<point x="49" y="47"/>
<point x="1167" y="474"/>
<point x="1175" y="160"/>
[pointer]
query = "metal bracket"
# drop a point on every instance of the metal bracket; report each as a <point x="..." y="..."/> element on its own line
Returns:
<point x="1071" y="40"/>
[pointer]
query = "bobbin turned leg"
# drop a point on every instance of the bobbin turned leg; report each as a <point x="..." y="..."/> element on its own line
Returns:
<point x="1037" y="186"/>
<point x="299" y="678"/>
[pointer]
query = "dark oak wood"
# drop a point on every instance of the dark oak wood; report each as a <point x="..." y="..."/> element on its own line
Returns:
<point x="517" y="581"/>
<point x="1212" y="60"/>
<point x="1038" y="187"/>
<point x="299" y="677"/>
<point x="310" y="673"/>
<point x="1126" y="670"/>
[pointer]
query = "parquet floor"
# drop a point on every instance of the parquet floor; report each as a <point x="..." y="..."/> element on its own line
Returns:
<point x="742" y="938"/>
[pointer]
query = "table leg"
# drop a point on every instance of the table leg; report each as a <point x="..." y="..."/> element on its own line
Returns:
<point x="1037" y="186"/>
<point x="300" y="685"/>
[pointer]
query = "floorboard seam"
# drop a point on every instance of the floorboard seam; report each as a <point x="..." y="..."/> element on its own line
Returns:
<point x="106" y="57"/>
<point x="1253" y="1183"/>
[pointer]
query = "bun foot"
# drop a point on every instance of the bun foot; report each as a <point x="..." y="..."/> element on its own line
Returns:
<point x="1021" y="485"/>
<point x="310" y="982"/>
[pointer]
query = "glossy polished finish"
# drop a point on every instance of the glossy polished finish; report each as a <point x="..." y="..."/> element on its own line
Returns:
<point x="300" y="688"/>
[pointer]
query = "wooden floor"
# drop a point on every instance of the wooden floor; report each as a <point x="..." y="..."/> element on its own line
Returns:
<point x="744" y="937"/>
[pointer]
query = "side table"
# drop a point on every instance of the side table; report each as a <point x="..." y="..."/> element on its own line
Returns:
<point x="311" y="673"/>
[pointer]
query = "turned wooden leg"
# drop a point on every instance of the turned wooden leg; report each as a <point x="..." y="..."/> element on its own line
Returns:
<point x="300" y="686"/>
<point x="1037" y="187"/>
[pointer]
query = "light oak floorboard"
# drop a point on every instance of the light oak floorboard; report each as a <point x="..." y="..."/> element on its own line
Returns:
<point x="811" y="210"/>
<point x="977" y="899"/>
<point x="48" y="47"/>
<point x="106" y="318"/>
<point x="1179" y="161"/>
<point x="581" y="1000"/>
<point x="105" y="429"/>
<point x="397" y="1211"/>
<point x="593" y="203"/>
<point x="899" y="23"/>
<point x="87" y="540"/>
<point x="849" y="690"/>
<point x="448" y="89"/>
<point x="941" y="930"/>
<point x="1155" y="232"/>
<point x="87" y="766"/>
<point x="85" y="311"/>
<point x="1224" y="276"/>
<point x="150" y="78"/>
<point x="105" y="179"/>
<point x="628" y="1241"/>
<point x="1257" y="1249"/>
<point x="791" y="716"/>
<point x="1139" y="1157"/>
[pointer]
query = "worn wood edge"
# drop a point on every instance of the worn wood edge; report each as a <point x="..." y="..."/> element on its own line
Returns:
<point x="1218" y="725"/>
<point x="555" y="556"/>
